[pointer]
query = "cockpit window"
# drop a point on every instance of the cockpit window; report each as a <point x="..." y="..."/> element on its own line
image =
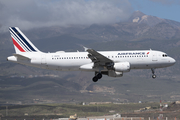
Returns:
<point x="164" y="55"/>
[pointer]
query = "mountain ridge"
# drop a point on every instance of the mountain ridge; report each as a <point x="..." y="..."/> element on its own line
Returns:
<point x="139" y="17"/>
<point x="127" y="35"/>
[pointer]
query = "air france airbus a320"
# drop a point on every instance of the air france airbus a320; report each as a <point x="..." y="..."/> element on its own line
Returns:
<point x="111" y="63"/>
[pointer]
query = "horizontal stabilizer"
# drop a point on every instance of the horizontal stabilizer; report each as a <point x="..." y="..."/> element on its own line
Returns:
<point x="21" y="56"/>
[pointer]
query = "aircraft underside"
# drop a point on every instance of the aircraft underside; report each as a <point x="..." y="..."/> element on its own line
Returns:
<point x="98" y="74"/>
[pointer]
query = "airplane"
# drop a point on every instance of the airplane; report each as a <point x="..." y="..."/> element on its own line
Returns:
<point x="111" y="63"/>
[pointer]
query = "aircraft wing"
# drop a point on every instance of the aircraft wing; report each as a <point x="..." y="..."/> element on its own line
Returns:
<point x="98" y="59"/>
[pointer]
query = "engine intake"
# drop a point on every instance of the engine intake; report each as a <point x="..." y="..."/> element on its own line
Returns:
<point x="122" y="66"/>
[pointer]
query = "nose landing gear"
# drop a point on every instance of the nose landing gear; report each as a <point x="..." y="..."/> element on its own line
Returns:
<point x="153" y="71"/>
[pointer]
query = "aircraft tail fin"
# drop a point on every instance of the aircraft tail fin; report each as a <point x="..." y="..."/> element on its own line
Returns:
<point x="21" y="42"/>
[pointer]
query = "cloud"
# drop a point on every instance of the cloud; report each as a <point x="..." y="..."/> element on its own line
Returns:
<point x="28" y="14"/>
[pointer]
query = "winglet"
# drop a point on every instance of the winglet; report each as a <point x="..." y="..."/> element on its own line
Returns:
<point x="85" y="48"/>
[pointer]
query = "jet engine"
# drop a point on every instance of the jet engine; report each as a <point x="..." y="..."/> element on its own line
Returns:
<point x="113" y="73"/>
<point x="122" y="67"/>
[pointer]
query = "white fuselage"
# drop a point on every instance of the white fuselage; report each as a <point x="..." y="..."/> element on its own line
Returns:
<point x="70" y="61"/>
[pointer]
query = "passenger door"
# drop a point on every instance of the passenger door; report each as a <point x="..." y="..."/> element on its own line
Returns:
<point x="154" y="56"/>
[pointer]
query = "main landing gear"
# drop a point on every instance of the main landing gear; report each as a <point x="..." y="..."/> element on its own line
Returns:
<point x="97" y="77"/>
<point x="153" y="75"/>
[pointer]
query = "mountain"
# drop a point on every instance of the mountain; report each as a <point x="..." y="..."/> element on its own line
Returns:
<point x="138" y="27"/>
<point x="150" y="27"/>
<point x="162" y="30"/>
<point x="140" y="31"/>
<point x="119" y="36"/>
<point x="140" y="18"/>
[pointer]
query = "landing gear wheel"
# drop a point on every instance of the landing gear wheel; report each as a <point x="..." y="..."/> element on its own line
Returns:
<point x="153" y="76"/>
<point x="95" y="79"/>
<point x="153" y="71"/>
<point x="99" y="75"/>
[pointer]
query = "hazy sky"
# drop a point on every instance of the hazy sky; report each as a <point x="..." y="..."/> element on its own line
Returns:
<point x="28" y="14"/>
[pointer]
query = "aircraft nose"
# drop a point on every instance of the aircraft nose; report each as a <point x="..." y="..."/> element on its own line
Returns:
<point x="172" y="61"/>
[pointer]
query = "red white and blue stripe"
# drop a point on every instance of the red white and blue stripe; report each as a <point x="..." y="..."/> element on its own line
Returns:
<point x="20" y="41"/>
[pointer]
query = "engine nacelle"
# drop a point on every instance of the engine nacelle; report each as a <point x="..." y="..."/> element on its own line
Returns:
<point x="113" y="73"/>
<point x="122" y="67"/>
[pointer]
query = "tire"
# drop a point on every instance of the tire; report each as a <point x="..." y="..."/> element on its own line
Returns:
<point x="99" y="75"/>
<point x="154" y="76"/>
<point x="95" y="79"/>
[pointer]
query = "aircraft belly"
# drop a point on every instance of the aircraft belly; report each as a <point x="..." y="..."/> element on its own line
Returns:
<point x="142" y="65"/>
<point x="148" y="65"/>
